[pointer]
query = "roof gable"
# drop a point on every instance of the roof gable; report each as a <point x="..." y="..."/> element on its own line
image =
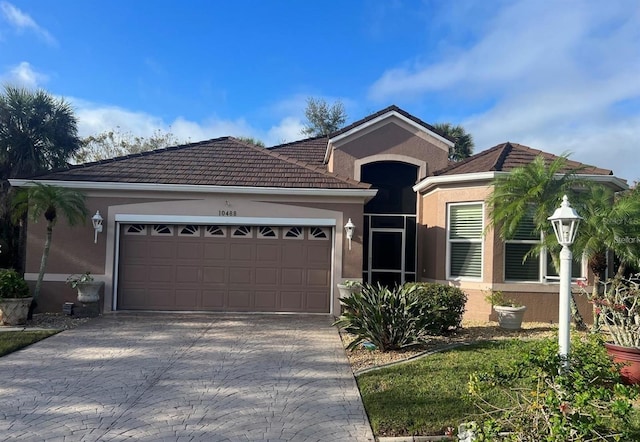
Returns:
<point x="385" y="116"/>
<point x="217" y="162"/>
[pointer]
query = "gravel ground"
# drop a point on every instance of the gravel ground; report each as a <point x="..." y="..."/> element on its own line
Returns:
<point x="56" y="321"/>
<point x="471" y="331"/>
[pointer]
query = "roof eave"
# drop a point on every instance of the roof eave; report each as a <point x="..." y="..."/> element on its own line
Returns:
<point x="192" y="188"/>
<point x="433" y="181"/>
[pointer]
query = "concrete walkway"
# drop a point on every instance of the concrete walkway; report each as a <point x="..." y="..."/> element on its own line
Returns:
<point x="184" y="377"/>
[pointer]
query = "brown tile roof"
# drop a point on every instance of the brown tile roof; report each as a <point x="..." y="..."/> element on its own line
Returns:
<point x="507" y="156"/>
<point x="219" y="162"/>
<point x="310" y="151"/>
<point x="391" y="108"/>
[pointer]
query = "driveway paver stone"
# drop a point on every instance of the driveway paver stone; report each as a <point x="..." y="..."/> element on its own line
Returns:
<point x="184" y="377"/>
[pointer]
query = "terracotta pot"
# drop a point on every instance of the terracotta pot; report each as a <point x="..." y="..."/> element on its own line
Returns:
<point x="14" y="311"/>
<point x="630" y="356"/>
<point x="510" y="318"/>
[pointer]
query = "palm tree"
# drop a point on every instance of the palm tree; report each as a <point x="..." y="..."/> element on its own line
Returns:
<point x="463" y="147"/>
<point x="50" y="201"/>
<point x="37" y="133"/>
<point x="533" y="191"/>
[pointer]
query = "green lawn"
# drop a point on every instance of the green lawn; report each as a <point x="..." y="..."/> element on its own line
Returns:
<point x="426" y="396"/>
<point x="11" y="341"/>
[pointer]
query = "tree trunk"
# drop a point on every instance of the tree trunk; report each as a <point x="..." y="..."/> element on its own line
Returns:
<point x="578" y="320"/>
<point x="43" y="266"/>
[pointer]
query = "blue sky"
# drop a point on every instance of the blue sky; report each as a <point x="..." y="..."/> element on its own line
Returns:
<point x="558" y="75"/>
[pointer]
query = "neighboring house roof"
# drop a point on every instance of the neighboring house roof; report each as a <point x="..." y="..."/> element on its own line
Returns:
<point x="218" y="162"/>
<point x="507" y="156"/>
<point x="310" y="150"/>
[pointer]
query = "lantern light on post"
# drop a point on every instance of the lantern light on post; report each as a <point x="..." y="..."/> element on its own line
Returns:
<point x="565" y="223"/>
<point x="96" y="220"/>
<point x="349" y="228"/>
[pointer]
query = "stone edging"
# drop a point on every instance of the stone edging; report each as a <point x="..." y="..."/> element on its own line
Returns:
<point x="411" y="359"/>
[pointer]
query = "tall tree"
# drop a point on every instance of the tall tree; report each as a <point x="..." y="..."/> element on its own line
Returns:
<point x="464" y="145"/>
<point x="323" y="119"/>
<point x="116" y="143"/>
<point x="51" y="202"/>
<point x="37" y="133"/>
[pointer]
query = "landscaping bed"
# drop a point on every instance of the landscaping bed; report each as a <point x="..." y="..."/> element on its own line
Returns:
<point x="471" y="331"/>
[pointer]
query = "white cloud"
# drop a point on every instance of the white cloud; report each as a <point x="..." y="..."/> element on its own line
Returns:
<point x="22" y="21"/>
<point x="94" y="118"/>
<point x="24" y="75"/>
<point x="557" y="79"/>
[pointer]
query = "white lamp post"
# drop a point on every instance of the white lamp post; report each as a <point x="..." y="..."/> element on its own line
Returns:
<point x="565" y="223"/>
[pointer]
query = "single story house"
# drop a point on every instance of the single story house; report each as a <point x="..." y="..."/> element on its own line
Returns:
<point x="221" y="225"/>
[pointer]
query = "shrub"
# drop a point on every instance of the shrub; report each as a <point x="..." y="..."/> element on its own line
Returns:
<point x="12" y="285"/>
<point x="388" y="318"/>
<point x="552" y="403"/>
<point x="442" y="305"/>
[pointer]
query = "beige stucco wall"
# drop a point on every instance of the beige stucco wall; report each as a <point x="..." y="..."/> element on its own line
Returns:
<point x="540" y="298"/>
<point x="73" y="249"/>
<point x="391" y="141"/>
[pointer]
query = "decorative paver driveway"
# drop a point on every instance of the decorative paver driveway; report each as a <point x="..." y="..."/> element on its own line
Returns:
<point x="184" y="378"/>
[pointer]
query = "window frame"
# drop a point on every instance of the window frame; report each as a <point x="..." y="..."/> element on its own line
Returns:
<point x="479" y="240"/>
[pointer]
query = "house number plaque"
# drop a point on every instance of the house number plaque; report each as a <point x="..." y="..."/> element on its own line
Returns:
<point x="227" y="213"/>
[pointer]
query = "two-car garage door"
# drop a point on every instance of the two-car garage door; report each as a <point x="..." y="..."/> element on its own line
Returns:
<point x="224" y="268"/>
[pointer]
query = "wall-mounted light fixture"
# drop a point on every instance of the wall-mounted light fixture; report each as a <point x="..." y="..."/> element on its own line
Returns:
<point x="349" y="228"/>
<point x="96" y="220"/>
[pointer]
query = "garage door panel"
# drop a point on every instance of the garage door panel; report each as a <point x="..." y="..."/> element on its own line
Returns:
<point x="266" y="300"/>
<point x="268" y="253"/>
<point x="318" y="255"/>
<point x="292" y="301"/>
<point x="241" y="275"/>
<point x="293" y="254"/>
<point x="267" y="276"/>
<point x="217" y="272"/>
<point x="241" y="252"/>
<point x="214" y="275"/>
<point x="189" y="250"/>
<point x="240" y="299"/>
<point x="214" y="299"/>
<point x="164" y="249"/>
<point x="292" y="277"/>
<point x="134" y="273"/>
<point x="215" y="250"/>
<point x="187" y="274"/>
<point x="316" y="301"/>
<point x="161" y="273"/>
<point x="318" y="278"/>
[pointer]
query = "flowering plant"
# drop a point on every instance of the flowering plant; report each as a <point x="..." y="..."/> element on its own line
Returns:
<point x="618" y="309"/>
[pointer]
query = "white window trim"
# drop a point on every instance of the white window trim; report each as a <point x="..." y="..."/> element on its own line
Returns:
<point x="448" y="241"/>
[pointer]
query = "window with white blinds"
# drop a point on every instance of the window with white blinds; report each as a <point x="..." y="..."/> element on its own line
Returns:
<point x="464" y="240"/>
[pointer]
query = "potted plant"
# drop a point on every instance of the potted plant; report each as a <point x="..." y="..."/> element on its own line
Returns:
<point x="15" y="298"/>
<point x="618" y="309"/>
<point x="88" y="288"/>
<point x="349" y="287"/>
<point x="510" y="313"/>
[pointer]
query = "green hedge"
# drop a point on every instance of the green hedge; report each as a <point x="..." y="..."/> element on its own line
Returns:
<point x="444" y="304"/>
